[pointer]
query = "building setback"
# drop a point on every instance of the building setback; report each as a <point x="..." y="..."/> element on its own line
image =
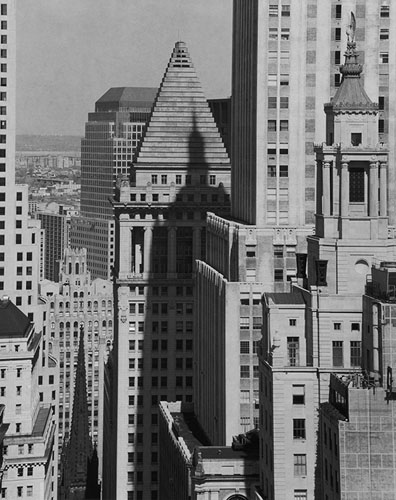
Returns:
<point x="311" y="355"/>
<point x="181" y="171"/>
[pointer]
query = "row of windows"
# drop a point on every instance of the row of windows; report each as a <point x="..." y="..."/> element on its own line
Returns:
<point x="293" y="352"/>
<point x="203" y="179"/>
<point x="273" y="10"/>
<point x="283" y="170"/>
<point x="282" y="125"/>
<point x="161" y="345"/>
<point x="20" y="491"/>
<point x="245" y="371"/>
<point x="245" y="346"/>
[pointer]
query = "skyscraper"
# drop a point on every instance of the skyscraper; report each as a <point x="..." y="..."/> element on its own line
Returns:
<point x="180" y="172"/>
<point x="112" y="134"/>
<point x="286" y="56"/>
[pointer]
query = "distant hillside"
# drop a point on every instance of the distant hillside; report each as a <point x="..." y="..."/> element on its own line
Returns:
<point x="48" y="143"/>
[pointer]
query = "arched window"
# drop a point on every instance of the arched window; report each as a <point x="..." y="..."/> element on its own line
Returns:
<point x="81" y="294"/>
<point x="67" y="305"/>
<point x="110" y="323"/>
<point x="75" y="325"/>
<point x="70" y="268"/>
<point x="109" y="305"/>
<point x="103" y="304"/>
<point x="60" y="305"/>
<point x="104" y="323"/>
<point x="75" y="294"/>
<point x="52" y="305"/>
<point x="67" y="325"/>
<point x="77" y="268"/>
<point x="95" y="306"/>
<point x="89" y="306"/>
<point x="61" y="325"/>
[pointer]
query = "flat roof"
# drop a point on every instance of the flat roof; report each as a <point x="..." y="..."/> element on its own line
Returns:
<point x="227" y="452"/>
<point x="188" y="427"/>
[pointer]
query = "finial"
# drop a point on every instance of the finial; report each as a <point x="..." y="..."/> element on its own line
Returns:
<point x="351" y="29"/>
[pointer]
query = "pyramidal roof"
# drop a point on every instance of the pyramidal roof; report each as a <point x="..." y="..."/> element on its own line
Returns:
<point x="181" y="130"/>
<point x="351" y="94"/>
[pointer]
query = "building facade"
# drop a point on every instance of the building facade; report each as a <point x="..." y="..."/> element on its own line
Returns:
<point x="181" y="171"/>
<point x="77" y="301"/>
<point x="316" y="331"/>
<point x="112" y="134"/>
<point x="29" y="443"/>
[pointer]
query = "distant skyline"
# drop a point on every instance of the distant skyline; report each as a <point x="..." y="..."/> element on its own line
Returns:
<point x="70" y="52"/>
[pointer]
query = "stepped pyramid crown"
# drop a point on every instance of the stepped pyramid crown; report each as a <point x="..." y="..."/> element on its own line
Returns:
<point x="181" y="130"/>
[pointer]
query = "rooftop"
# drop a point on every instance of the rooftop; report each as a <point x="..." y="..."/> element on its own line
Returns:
<point x="13" y="322"/>
<point x="43" y="415"/>
<point x="285" y="298"/>
<point x="126" y="97"/>
<point x="187" y="427"/>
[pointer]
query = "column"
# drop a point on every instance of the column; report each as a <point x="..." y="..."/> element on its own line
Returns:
<point x="373" y="201"/>
<point x="344" y="189"/>
<point x="196" y="243"/>
<point x="326" y="188"/>
<point x="148" y="243"/>
<point x="125" y="263"/>
<point x="383" y="189"/>
<point x="172" y="249"/>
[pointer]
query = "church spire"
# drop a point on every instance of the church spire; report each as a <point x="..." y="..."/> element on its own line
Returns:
<point x="78" y="451"/>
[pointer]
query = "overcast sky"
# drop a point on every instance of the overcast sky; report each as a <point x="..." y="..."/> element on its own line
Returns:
<point x="70" y="52"/>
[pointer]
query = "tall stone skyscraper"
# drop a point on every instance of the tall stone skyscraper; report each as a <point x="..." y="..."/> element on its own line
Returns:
<point x="286" y="57"/>
<point x="112" y="134"/>
<point x="181" y="171"/>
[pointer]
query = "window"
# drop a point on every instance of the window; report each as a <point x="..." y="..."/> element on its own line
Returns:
<point x="285" y="33"/>
<point x="244" y="323"/>
<point x="381" y="102"/>
<point x="356" y="353"/>
<point x="300" y="495"/>
<point x="273" y="10"/>
<point x="298" y="392"/>
<point x="284" y="80"/>
<point x="284" y="102"/>
<point x="284" y="171"/>
<point x="286" y="10"/>
<point x="212" y="180"/>
<point x="245" y="371"/>
<point x="244" y="347"/>
<point x="338" y="11"/>
<point x="298" y="428"/>
<point x="293" y="351"/>
<point x="356" y="138"/>
<point x="272" y="102"/>
<point x="20" y="472"/>
<point x="30" y="471"/>
<point x="356" y="185"/>
<point x="256" y="371"/>
<point x="337" y="34"/>
<point x="337" y="57"/>
<point x="384" y="11"/>
<point x="273" y="33"/>
<point x="272" y="80"/>
<point x="202" y="179"/>
<point x="384" y="34"/>
<point x="292" y="322"/>
<point x="271" y="170"/>
<point x="178" y="179"/>
<point x="19" y="491"/>
<point x="271" y="125"/>
<point x="300" y="465"/>
<point x="384" y="57"/>
<point x="337" y="80"/>
<point x="278" y="275"/>
<point x="338" y="359"/>
<point x="284" y="125"/>
<point x="164" y="179"/>
<point x="381" y="126"/>
<point x="188" y="179"/>
<point x="355" y="327"/>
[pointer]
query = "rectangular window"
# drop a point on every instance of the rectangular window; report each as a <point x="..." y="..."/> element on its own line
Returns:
<point x="272" y="80"/>
<point x="273" y="33"/>
<point x="381" y="126"/>
<point x="244" y="347"/>
<point x="271" y="125"/>
<point x="337" y="34"/>
<point x="154" y="179"/>
<point x="286" y="10"/>
<point x="284" y="125"/>
<point x="300" y="465"/>
<point x="298" y="392"/>
<point x="384" y="57"/>
<point x="337" y="57"/>
<point x="285" y="33"/>
<point x="283" y="171"/>
<point x="284" y="80"/>
<point x="212" y="180"/>
<point x="356" y="185"/>
<point x="164" y="179"/>
<point x="273" y="11"/>
<point x="278" y="275"/>
<point x="178" y="179"/>
<point x="245" y="371"/>
<point x="384" y="34"/>
<point x="381" y="102"/>
<point x="271" y="170"/>
<point x="298" y="428"/>
<point x="356" y="353"/>
<point x="338" y="11"/>
<point x="356" y="138"/>
<point x="384" y="12"/>
<point x="284" y="102"/>
<point x="337" y="80"/>
<point x="271" y="102"/>
<point x="300" y="495"/>
<point x="244" y="323"/>
<point x="338" y="358"/>
<point x="293" y="353"/>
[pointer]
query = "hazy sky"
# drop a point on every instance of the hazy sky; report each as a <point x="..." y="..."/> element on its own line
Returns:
<point x="70" y="52"/>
